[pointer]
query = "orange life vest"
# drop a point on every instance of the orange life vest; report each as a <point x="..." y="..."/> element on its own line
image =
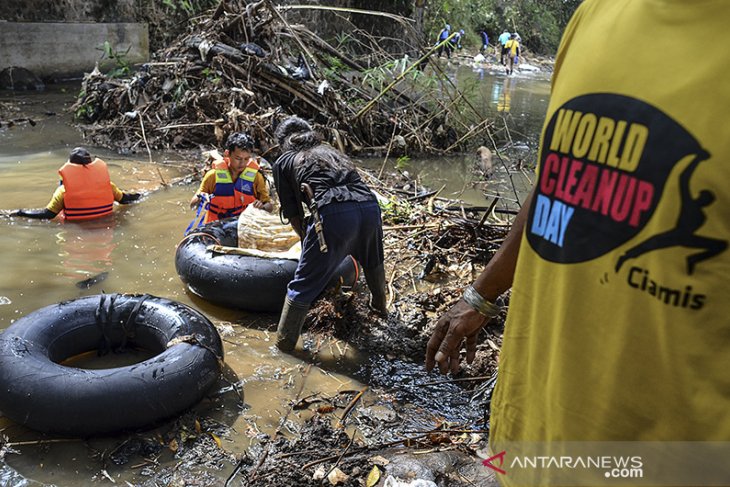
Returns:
<point x="88" y="190"/>
<point x="231" y="198"/>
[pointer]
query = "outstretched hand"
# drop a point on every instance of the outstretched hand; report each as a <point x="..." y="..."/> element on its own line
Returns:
<point x="195" y="201"/>
<point x="129" y="197"/>
<point x="459" y="322"/>
<point x="462" y="320"/>
<point x="268" y="206"/>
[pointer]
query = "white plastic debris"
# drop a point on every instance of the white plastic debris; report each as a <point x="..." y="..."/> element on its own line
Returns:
<point x="323" y="86"/>
<point x="394" y="482"/>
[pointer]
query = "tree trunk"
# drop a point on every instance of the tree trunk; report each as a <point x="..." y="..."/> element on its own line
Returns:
<point x="420" y="8"/>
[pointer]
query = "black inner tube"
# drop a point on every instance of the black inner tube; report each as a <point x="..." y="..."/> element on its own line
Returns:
<point x="39" y="391"/>
<point x="240" y="281"/>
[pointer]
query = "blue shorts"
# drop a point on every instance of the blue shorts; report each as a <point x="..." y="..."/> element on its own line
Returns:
<point x="350" y="228"/>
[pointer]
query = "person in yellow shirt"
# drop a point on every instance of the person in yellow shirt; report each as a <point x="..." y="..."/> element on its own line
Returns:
<point x="232" y="185"/>
<point x="512" y="46"/>
<point x="85" y="191"/>
<point x="617" y="331"/>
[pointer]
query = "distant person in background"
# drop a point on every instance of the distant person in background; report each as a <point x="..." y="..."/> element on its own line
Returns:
<point x="443" y="35"/>
<point x="85" y="191"/>
<point x="233" y="184"/>
<point x="485" y="42"/>
<point x="503" y="38"/>
<point x="512" y="46"/>
<point x="456" y="40"/>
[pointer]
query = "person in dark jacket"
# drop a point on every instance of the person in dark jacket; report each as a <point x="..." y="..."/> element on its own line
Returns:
<point x="485" y="42"/>
<point x="350" y="222"/>
<point x="456" y="40"/>
<point x="443" y="35"/>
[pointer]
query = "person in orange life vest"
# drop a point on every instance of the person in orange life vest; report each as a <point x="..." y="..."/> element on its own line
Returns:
<point x="235" y="183"/>
<point x="85" y="191"/>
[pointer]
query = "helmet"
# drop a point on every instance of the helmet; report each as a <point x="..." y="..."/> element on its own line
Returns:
<point x="461" y="32"/>
<point x="239" y="140"/>
<point x="448" y="27"/>
<point x="79" y="156"/>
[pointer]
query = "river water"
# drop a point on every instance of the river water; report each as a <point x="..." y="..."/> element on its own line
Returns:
<point x="42" y="263"/>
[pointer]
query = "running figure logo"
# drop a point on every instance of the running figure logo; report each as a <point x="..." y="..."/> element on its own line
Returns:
<point x="691" y="218"/>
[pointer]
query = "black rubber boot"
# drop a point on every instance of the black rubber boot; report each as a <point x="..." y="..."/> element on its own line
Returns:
<point x="375" y="278"/>
<point x="290" y="325"/>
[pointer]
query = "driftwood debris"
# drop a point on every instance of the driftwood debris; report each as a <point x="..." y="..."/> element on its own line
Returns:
<point x="245" y="68"/>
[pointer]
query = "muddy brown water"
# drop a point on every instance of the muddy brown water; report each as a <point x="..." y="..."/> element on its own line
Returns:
<point x="42" y="262"/>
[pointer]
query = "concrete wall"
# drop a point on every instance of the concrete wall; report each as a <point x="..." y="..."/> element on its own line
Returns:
<point x="57" y="49"/>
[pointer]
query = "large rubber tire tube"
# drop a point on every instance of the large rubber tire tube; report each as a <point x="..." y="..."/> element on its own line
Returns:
<point x="240" y="281"/>
<point x="38" y="392"/>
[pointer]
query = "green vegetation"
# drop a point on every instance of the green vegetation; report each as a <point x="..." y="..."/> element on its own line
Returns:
<point x="190" y="7"/>
<point x="211" y="75"/>
<point x="84" y="110"/>
<point x="122" y="68"/>
<point x="333" y="66"/>
<point x="181" y="88"/>
<point x="402" y="163"/>
<point x="396" y="211"/>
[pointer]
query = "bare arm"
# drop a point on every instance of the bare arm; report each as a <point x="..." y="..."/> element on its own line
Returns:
<point x="462" y="321"/>
<point x="207" y="187"/>
<point x="261" y="192"/>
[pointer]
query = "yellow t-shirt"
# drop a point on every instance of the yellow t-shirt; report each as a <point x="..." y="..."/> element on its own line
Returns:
<point x="260" y="189"/>
<point x="618" y="326"/>
<point x="512" y="45"/>
<point x="56" y="203"/>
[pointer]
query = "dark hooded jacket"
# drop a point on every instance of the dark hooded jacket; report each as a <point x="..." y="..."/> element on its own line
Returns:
<point x="331" y="175"/>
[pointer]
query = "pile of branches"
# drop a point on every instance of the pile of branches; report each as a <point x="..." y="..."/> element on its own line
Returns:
<point x="435" y="238"/>
<point x="245" y="68"/>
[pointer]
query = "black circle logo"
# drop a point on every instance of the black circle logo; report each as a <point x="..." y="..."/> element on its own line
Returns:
<point x="603" y="166"/>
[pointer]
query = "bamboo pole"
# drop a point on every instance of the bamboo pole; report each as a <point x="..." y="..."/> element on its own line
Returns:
<point x="395" y="17"/>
